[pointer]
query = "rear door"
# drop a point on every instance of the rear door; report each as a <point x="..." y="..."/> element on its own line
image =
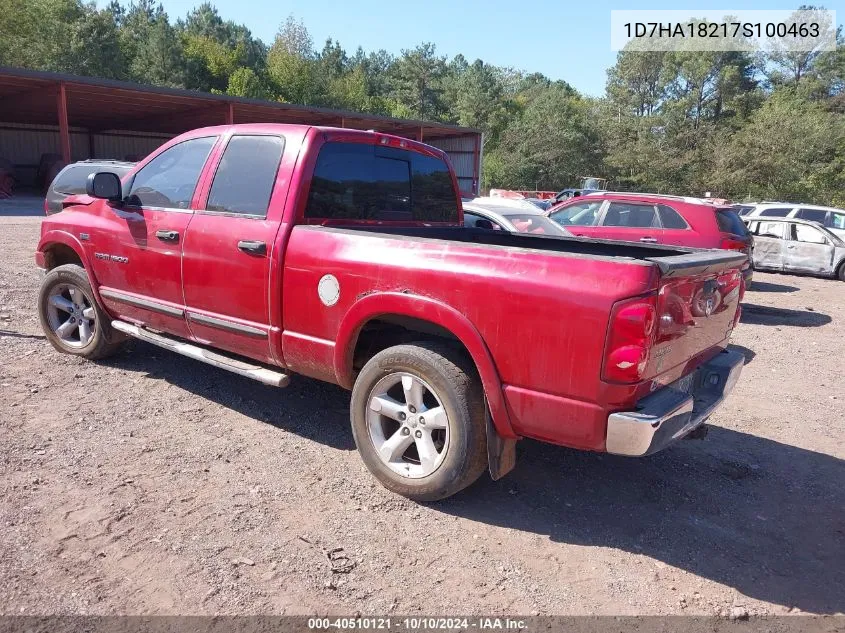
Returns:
<point x="769" y="244"/>
<point x="230" y="246"/>
<point x="138" y="255"/>
<point x="808" y="250"/>
<point x="675" y="228"/>
<point x="631" y="222"/>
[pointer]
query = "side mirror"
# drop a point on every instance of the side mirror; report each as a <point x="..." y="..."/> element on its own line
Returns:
<point x="105" y="185"/>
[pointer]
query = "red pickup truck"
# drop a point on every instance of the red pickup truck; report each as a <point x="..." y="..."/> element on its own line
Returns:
<point x="272" y="250"/>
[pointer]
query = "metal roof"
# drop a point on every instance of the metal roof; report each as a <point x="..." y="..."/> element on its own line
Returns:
<point x="29" y="96"/>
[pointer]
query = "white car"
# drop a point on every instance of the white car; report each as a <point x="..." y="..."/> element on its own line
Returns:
<point x="829" y="217"/>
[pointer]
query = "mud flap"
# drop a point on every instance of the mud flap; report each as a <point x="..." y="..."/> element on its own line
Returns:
<point x="501" y="452"/>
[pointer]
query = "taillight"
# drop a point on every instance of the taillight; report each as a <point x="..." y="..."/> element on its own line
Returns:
<point x="732" y="243"/>
<point x="46" y="207"/>
<point x="629" y="339"/>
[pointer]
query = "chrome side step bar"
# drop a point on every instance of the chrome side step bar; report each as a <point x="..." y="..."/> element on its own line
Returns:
<point x="256" y="372"/>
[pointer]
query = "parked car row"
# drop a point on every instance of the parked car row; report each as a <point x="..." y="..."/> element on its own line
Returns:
<point x="830" y="218"/>
<point x="799" y="238"/>
<point x="655" y="219"/>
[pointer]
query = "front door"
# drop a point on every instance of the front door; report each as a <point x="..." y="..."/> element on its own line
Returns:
<point x="580" y="217"/>
<point x="137" y="256"/>
<point x="229" y="249"/>
<point x="808" y="250"/>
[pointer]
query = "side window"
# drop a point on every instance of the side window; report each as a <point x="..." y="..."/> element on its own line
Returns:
<point x="771" y="229"/>
<point x="816" y="215"/>
<point x="365" y="182"/>
<point x="808" y="234"/>
<point x="630" y="215"/>
<point x="836" y="221"/>
<point x="168" y="180"/>
<point x="580" y="214"/>
<point x="477" y="222"/>
<point x="670" y="218"/>
<point x="73" y="179"/>
<point x="778" y="212"/>
<point x="246" y="175"/>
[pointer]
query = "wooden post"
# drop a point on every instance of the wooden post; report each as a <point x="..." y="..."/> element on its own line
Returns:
<point x="477" y="164"/>
<point x="421" y="135"/>
<point x="230" y="114"/>
<point x="64" y="131"/>
<point x="342" y="122"/>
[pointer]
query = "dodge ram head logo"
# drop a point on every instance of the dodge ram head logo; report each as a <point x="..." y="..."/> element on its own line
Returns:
<point x="706" y="300"/>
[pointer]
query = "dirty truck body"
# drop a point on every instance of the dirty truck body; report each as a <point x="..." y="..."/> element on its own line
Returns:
<point x="273" y="250"/>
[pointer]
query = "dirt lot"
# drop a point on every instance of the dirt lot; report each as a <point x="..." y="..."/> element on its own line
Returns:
<point x="154" y="484"/>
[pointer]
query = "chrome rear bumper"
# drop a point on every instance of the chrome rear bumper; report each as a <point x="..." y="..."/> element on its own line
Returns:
<point x="673" y="411"/>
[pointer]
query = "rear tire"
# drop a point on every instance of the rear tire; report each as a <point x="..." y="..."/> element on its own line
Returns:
<point x="841" y="273"/>
<point x="418" y="420"/>
<point x="72" y="320"/>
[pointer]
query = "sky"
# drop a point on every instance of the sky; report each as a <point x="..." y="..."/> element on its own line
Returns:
<point x="563" y="40"/>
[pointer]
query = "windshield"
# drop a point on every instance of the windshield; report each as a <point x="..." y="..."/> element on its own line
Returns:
<point x="537" y="224"/>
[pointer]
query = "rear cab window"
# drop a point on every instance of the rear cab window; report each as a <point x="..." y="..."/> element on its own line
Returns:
<point x="358" y="181"/>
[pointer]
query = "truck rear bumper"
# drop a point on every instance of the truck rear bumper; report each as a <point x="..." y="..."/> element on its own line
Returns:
<point x="673" y="411"/>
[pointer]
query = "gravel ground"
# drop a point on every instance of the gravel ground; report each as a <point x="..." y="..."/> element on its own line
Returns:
<point x="153" y="484"/>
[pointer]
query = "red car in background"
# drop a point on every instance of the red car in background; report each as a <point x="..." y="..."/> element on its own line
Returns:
<point x="654" y="218"/>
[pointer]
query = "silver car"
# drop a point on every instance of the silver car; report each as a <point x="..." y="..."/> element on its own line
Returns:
<point x="830" y="217"/>
<point x="794" y="245"/>
<point x="511" y="218"/>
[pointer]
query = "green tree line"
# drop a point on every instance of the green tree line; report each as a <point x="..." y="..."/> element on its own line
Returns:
<point x="740" y="125"/>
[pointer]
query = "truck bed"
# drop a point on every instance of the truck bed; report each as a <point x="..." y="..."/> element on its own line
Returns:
<point x="671" y="260"/>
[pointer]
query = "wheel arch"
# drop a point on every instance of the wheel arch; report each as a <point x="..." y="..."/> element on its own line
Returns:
<point x="430" y="318"/>
<point x="57" y="248"/>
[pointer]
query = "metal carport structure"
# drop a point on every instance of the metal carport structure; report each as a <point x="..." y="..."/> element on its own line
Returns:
<point x="84" y="117"/>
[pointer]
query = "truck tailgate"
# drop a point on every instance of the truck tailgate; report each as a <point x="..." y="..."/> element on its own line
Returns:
<point x="697" y="306"/>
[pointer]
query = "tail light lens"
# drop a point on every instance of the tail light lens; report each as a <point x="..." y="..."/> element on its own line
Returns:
<point x="629" y="339"/>
<point x="46" y="207"/>
<point x="733" y="243"/>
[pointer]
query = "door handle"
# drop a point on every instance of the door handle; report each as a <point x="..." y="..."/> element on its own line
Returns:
<point x="252" y="247"/>
<point x="167" y="236"/>
<point x="648" y="239"/>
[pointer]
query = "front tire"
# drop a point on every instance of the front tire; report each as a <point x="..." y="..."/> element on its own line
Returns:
<point x="841" y="273"/>
<point x="418" y="420"/>
<point x="70" y="317"/>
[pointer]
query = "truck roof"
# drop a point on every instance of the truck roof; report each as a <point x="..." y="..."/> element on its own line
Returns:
<point x="281" y="128"/>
